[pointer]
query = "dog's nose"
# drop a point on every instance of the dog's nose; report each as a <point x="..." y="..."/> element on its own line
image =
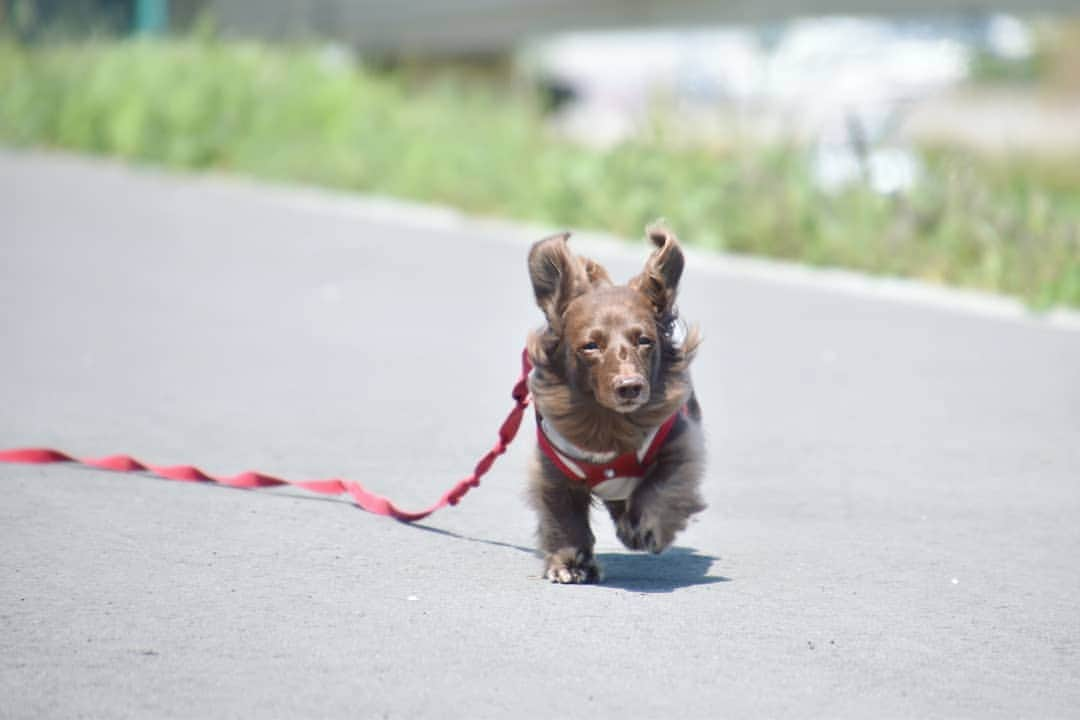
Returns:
<point x="628" y="388"/>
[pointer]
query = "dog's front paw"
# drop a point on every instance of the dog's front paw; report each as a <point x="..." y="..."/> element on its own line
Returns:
<point x="571" y="566"/>
<point x="646" y="531"/>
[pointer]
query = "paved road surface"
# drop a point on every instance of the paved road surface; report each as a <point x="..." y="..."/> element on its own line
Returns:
<point x="894" y="489"/>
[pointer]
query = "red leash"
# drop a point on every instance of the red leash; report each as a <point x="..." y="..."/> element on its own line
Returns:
<point x="364" y="499"/>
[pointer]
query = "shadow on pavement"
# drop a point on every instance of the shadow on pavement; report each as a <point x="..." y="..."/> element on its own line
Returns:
<point x="676" y="568"/>
<point x="496" y="543"/>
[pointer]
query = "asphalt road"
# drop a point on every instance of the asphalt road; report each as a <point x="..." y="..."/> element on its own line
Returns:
<point x="894" y="487"/>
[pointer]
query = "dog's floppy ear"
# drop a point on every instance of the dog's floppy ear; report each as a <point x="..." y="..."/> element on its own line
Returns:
<point x="557" y="276"/>
<point x="659" y="281"/>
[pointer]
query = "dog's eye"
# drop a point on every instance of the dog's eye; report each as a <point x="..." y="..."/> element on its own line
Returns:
<point x="644" y="341"/>
<point x="589" y="346"/>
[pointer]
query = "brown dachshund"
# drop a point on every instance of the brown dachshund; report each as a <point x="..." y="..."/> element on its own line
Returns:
<point x="617" y="417"/>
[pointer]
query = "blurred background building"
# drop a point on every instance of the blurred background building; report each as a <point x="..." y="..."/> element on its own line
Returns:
<point x="479" y="26"/>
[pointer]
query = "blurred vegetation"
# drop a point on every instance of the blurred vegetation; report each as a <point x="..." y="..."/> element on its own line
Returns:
<point x="990" y="69"/>
<point x="311" y="115"/>
<point x="1059" y="48"/>
<point x="1053" y="64"/>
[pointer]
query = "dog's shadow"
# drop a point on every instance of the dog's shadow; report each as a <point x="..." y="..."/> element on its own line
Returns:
<point x="678" y="567"/>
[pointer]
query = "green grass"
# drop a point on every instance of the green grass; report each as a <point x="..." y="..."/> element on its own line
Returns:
<point x="1009" y="225"/>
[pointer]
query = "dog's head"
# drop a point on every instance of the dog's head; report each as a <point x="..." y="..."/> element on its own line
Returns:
<point x="608" y="341"/>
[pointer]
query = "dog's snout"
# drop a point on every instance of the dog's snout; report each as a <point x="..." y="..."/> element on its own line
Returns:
<point x="629" y="388"/>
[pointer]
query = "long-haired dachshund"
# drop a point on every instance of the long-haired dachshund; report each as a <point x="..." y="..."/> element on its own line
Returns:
<point x="616" y="412"/>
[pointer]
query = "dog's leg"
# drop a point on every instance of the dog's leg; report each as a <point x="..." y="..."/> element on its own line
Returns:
<point x="565" y="536"/>
<point x="661" y="506"/>
<point x="616" y="509"/>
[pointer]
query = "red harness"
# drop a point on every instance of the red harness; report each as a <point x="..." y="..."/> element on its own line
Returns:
<point x="627" y="465"/>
